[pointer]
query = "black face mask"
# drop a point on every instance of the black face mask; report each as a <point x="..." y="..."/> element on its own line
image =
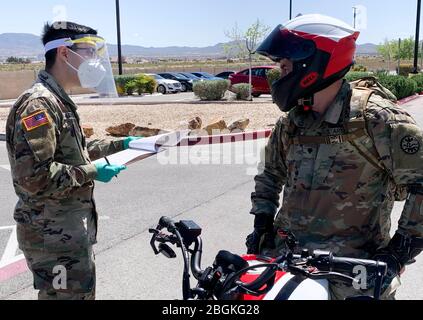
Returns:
<point x="283" y="92"/>
<point x="303" y="82"/>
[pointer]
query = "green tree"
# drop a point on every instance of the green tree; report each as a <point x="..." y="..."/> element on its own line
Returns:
<point x="407" y="49"/>
<point x="390" y="50"/>
<point x="245" y="43"/>
<point x="238" y="46"/>
<point x="387" y="50"/>
<point x="15" y="60"/>
<point x="11" y="60"/>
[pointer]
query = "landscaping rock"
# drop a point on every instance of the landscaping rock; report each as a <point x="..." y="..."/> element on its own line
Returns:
<point x="239" y="125"/>
<point x="88" y="130"/>
<point x="121" y="130"/>
<point x="216" y="127"/>
<point x="197" y="133"/>
<point x="230" y="96"/>
<point x="195" y="123"/>
<point x="145" y="132"/>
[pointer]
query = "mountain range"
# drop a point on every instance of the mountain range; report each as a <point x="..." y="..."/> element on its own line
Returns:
<point x="29" y="45"/>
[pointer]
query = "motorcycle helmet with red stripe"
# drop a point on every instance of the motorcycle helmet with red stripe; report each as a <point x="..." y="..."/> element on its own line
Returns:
<point x="322" y="51"/>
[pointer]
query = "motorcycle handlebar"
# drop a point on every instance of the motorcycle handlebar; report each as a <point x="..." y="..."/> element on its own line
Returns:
<point x="322" y="260"/>
<point x="167" y="223"/>
<point x="197" y="272"/>
<point x="337" y="267"/>
<point x="171" y="226"/>
<point x="325" y="261"/>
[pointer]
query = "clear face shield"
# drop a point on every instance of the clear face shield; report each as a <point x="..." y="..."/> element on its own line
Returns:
<point x="95" y="71"/>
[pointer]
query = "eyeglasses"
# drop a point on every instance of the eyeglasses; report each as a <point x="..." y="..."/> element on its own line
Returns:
<point x="88" y="52"/>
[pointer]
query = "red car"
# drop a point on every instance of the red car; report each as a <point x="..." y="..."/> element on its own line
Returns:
<point x="259" y="79"/>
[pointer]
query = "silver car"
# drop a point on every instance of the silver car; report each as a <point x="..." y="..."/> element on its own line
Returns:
<point x="165" y="85"/>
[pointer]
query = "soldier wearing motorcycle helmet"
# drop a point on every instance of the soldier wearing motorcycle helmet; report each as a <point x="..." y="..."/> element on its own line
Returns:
<point x="342" y="152"/>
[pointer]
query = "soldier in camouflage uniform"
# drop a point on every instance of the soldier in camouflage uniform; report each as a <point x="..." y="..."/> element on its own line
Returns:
<point x="343" y="154"/>
<point x="53" y="175"/>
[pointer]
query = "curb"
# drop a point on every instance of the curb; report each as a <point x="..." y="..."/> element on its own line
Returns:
<point x="133" y="103"/>
<point x="152" y="103"/>
<point x="408" y="99"/>
<point x="14" y="269"/>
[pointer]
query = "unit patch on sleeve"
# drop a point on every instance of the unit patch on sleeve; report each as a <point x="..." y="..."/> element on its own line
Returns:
<point x="410" y="145"/>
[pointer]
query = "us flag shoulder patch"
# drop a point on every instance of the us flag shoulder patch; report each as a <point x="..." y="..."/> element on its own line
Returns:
<point x="36" y="120"/>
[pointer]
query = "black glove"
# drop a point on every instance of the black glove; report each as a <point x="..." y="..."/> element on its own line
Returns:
<point x="263" y="235"/>
<point x="253" y="242"/>
<point x="394" y="268"/>
<point x="400" y="252"/>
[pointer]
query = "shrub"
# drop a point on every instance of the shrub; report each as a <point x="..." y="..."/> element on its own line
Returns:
<point x="405" y="69"/>
<point x="418" y="78"/>
<point x="273" y="75"/>
<point x="409" y="88"/>
<point x="130" y="87"/>
<point x="381" y="73"/>
<point x="211" y="89"/>
<point x="121" y="82"/>
<point x="140" y="83"/>
<point x="400" y="86"/>
<point x="145" y="84"/>
<point x="354" y="75"/>
<point x="242" y="91"/>
<point x="359" y="68"/>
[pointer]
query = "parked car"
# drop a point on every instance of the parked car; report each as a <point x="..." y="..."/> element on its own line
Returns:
<point x="186" y="83"/>
<point x="205" y="76"/>
<point x="225" y="74"/>
<point x="191" y="76"/>
<point x="258" y="77"/>
<point x="165" y="85"/>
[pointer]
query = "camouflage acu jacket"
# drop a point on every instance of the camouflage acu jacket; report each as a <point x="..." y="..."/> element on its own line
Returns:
<point x="334" y="198"/>
<point x="51" y="169"/>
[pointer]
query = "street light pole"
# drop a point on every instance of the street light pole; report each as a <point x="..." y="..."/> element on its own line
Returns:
<point x="119" y="38"/>
<point x="399" y="56"/>
<point x="250" y="47"/>
<point x="355" y="16"/>
<point x="421" y="57"/>
<point x="416" y="46"/>
<point x="290" y="9"/>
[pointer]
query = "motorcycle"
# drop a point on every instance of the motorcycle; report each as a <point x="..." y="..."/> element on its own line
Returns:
<point x="290" y="276"/>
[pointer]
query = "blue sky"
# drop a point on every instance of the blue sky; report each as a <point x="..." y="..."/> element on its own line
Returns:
<point x="201" y="23"/>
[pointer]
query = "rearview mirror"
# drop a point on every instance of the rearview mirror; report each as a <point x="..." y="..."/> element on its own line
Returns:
<point x="167" y="251"/>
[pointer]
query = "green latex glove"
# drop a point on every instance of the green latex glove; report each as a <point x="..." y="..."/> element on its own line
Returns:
<point x="105" y="172"/>
<point x="129" y="140"/>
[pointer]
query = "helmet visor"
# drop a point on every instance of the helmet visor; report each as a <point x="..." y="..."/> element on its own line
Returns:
<point x="284" y="44"/>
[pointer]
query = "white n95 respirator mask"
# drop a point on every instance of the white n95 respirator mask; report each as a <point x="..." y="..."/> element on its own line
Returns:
<point x="95" y="71"/>
<point x="91" y="72"/>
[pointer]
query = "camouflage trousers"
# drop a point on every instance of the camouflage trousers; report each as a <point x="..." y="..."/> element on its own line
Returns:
<point x="340" y="291"/>
<point x="63" y="275"/>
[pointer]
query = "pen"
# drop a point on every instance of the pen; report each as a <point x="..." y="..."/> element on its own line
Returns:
<point x="107" y="160"/>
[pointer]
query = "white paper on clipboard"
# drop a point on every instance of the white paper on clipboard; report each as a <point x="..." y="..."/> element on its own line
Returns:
<point x="156" y="143"/>
<point x="145" y="147"/>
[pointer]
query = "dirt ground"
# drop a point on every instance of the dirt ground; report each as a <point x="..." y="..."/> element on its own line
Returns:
<point x="171" y="116"/>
